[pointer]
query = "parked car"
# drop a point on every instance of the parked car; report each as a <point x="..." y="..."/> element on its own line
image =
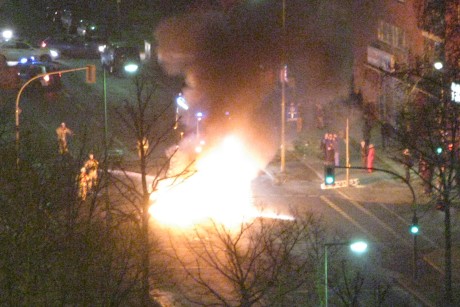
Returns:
<point x="15" y="50"/>
<point x="31" y="69"/>
<point x="75" y="46"/>
<point x="116" y="56"/>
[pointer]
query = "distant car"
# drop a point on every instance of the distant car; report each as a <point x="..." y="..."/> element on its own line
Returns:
<point x="31" y="69"/>
<point x="75" y="46"/>
<point x="116" y="57"/>
<point x="16" y="50"/>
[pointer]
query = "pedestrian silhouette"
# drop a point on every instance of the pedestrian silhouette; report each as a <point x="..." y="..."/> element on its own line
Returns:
<point x="91" y="165"/>
<point x="370" y="158"/>
<point x="62" y="131"/>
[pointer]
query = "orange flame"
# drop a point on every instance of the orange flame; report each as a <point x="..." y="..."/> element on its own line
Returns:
<point x="220" y="190"/>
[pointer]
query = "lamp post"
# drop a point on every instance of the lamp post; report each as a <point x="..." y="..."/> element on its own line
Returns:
<point x="129" y="68"/>
<point x="356" y="247"/>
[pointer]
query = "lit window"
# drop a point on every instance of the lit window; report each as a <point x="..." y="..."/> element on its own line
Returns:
<point x="392" y="35"/>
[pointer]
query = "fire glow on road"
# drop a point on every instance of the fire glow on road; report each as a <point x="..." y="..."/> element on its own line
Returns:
<point x="219" y="190"/>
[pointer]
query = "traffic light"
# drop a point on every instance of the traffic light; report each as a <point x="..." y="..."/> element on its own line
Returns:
<point x="439" y="150"/>
<point x="329" y="175"/>
<point x="91" y="73"/>
<point x="414" y="229"/>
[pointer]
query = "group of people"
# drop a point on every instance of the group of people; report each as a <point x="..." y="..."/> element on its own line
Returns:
<point x="367" y="156"/>
<point x="330" y="146"/>
<point x="87" y="179"/>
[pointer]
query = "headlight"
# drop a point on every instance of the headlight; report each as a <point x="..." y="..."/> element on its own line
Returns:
<point x="54" y="53"/>
<point x="101" y="48"/>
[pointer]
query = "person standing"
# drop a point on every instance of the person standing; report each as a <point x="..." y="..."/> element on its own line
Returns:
<point x="407" y="161"/>
<point x="336" y="145"/>
<point x="426" y="173"/>
<point x="323" y="146"/>
<point x="62" y="131"/>
<point x="363" y="154"/>
<point x="82" y="184"/>
<point x="92" y="166"/>
<point x="370" y="158"/>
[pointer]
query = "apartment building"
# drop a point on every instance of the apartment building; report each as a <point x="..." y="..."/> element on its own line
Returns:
<point x="392" y="36"/>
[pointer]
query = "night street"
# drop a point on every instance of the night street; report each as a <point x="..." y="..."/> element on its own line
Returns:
<point x="230" y="153"/>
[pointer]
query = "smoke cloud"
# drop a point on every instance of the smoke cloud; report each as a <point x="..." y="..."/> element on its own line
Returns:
<point x="231" y="63"/>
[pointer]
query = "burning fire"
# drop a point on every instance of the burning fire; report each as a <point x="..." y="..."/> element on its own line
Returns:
<point x="219" y="190"/>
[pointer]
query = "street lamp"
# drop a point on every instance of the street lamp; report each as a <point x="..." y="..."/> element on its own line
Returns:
<point x="130" y="68"/>
<point x="358" y="247"/>
<point x="438" y="65"/>
<point x="7" y="34"/>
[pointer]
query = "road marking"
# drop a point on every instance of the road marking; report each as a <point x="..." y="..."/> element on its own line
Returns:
<point x="347" y="217"/>
<point x="370" y="214"/>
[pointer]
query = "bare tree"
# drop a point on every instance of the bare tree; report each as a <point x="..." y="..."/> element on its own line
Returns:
<point x="350" y="285"/>
<point x="150" y="120"/>
<point x="258" y="263"/>
<point x="428" y="125"/>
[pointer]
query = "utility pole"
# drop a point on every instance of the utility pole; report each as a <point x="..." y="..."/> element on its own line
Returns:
<point x="283" y="91"/>
<point x="347" y="146"/>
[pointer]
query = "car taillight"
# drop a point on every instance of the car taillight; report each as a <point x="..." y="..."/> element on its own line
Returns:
<point x="43" y="44"/>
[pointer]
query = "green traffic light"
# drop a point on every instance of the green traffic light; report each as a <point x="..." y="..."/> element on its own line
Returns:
<point x="414" y="229"/>
<point x="329" y="180"/>
<point x="439" y="150"/>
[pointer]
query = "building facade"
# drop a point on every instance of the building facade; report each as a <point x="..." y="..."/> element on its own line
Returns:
<point x="394" y="36"/>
